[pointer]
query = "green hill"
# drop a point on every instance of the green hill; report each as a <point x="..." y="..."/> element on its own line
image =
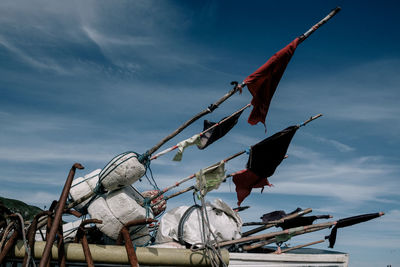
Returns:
<point x="27" y="211"/>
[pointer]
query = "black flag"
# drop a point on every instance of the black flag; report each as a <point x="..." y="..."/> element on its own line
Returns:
<point x="218" y="131"/>
<point x="348" y="222"/>
<point x="301" y="221"/>
<point x="277" y="215"/>
<point x="268" y="154"/>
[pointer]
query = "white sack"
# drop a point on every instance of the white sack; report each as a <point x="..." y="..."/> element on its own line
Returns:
<point x="224" y="223"/>
<point x="82" y="186"/>
<point x="111" y="226"/>
<point x="123" y="170"/>
<point x="118" y="208"/>
<point x="79" y="189"/>
<point x="123" y="205"/>
<point x="92" y="178"/>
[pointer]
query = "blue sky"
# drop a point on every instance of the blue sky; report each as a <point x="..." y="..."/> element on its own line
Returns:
<point x="82" y="81"/>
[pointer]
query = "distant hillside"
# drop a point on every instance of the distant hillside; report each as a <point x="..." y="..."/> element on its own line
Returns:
<point x="27" y="211"/>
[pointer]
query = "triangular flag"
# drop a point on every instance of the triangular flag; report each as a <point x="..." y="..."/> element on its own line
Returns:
<point x="218" y="131"/>
<point x="264" y="81"/>
<point x="266" y="155"/>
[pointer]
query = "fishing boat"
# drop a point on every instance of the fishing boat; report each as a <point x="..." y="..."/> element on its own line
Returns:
<point x="131" y="228"/>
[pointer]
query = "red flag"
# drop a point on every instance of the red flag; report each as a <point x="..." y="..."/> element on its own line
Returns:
<point x="263" y="82"/>
<point x="245" y="181"/>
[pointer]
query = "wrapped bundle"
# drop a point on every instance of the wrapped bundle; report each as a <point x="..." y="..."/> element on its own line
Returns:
<point x="118" y="208"/>
<point x="121" y="171"/>
<point x="82" y="186"/>
<point x="180" y="225"/>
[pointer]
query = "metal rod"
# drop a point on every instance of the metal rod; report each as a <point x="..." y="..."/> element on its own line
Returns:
<point x="81" y="237"/>
<point x="124" y="233"/>
<point x="58" y="215"/>
<point x="32" y="232"/>
<point x="9" y="244"/>
<point x="319" y="24"/>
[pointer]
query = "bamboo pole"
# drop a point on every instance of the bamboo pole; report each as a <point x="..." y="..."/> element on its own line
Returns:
<point x="201" y="134"/>
<point x="274" y="240"/>
<point x="210" y="109"/>
<point x="264" y="227"/>
<point x="319" y="24"/>
<point x="310" y="120"/>
<point x="192" y="176"/>
<point x="273" y="234"/>
<point x="301" y="246"/>
<point x="263" y="223"/>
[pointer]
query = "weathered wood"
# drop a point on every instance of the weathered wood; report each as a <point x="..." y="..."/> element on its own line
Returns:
<point x="319" y="24"/>
<point x="193" y="119"/>
<point x="264" y="227"/>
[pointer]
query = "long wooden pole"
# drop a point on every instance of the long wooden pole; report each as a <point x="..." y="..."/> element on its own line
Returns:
<point x="319" y="24"/>
<point x="210" y="109"/>
<point x="273" y="234"/>
<point x="183" y="191"/>
<point x="274" y="239"/>
<point x="192" y="176"/>
<point x="201" y="134"/>
<point x="264" y="227"/>
<point x="301" y="246"/>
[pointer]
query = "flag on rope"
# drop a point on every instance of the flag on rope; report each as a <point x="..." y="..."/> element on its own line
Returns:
<point x="210" y="178"/>
<point x="264" y="81"/>
<point x="266" y="155"/>
<point x="348" y="222"/>
<point x="218" y="131"/>
<point x="194" y="140"/>
<point x="245" y="181"/>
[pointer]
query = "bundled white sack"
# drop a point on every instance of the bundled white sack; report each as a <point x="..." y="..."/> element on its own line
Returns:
<point x="82" y="186"/>
<point x="121" y="171"/>
<point x="225" y="224"/>
<point x="111" y="226"/>
<point x="118" y="208"/>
